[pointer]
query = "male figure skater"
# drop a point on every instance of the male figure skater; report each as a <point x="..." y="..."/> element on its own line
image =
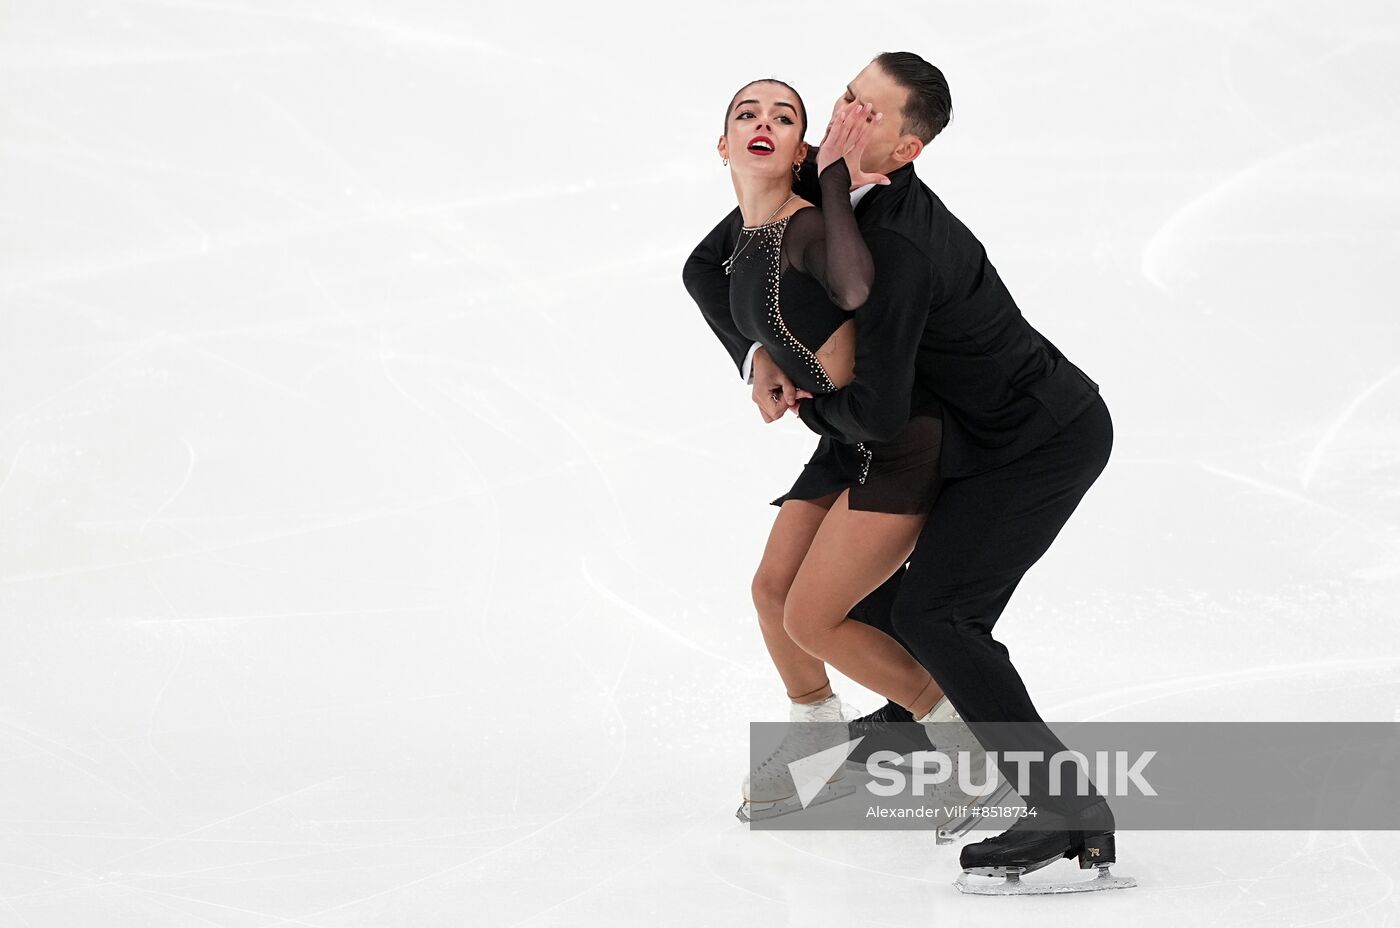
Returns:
<point x="1025" y="434"/>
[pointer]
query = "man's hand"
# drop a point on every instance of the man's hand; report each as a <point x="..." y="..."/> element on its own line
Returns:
<point x="773" y="392"/>
<point x="846" y="136"/>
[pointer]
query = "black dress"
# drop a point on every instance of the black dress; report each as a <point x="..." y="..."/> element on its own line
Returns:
<point x="788" y="281"/>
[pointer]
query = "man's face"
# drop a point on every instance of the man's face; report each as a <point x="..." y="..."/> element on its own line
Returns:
<point x="872" y="86"/>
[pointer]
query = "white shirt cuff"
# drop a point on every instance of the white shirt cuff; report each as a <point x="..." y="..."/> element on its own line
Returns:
<point x="747" y="369"/>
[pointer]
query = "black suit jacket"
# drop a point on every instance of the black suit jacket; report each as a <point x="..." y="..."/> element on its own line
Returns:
<point x="939" y="321"/>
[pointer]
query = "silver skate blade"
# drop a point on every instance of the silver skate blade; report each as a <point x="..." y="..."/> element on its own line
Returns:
<point x="904" y="767"/>
<point x="979" y="882"/>
<point x="758" y="812"/>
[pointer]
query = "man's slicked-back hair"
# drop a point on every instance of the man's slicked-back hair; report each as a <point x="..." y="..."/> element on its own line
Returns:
<point x="929" y="108"/>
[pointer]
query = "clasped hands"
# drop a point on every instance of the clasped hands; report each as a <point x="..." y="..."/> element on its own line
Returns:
<point x="773" y="391"/>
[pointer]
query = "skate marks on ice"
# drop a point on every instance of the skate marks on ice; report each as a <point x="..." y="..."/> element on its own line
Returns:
<point x="1324" y="676"/>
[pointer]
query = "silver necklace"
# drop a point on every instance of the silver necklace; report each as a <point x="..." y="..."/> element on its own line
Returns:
<point x="744" y="243"/>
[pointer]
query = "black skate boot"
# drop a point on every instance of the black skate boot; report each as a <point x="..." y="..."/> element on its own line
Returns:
<point x="888" y="728"/>
<point x="1028" y="846"/>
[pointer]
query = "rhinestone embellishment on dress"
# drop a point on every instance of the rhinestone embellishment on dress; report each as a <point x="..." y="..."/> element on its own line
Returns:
<point x="771" y="246"/>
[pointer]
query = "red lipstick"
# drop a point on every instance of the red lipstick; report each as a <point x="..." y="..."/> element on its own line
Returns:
<point x="762" y="151"/>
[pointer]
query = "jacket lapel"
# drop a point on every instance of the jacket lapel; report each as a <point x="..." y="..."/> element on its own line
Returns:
<point x="900" y="177"/>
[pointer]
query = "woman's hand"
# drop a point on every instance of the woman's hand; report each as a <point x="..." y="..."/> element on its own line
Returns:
<point x="772" y="389"/>
<point x="846" y="136"/>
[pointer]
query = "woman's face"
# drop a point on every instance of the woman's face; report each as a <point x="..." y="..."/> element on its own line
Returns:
<point x="763" y="134"/>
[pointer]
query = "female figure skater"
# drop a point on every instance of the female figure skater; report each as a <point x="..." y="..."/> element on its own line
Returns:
<point x="796" y="275"/>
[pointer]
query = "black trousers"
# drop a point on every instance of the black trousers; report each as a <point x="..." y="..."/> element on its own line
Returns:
<point x="983" y="534"/>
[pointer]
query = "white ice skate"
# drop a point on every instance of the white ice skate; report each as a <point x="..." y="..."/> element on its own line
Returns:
<point x="951" y="736"/>
<point x="770" y="790"/>
<point x="960" y="826"/>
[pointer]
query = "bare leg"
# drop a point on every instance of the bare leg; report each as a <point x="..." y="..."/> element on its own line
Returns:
<point x="793" y="530"/>
<point x="852" y="554"/>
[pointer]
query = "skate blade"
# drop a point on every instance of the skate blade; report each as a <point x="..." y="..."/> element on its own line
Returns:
<point x="762" y="811"/>
<point x="904" y="767"/>
<point x="977" y="882"/>
<point x="956" y="829"/>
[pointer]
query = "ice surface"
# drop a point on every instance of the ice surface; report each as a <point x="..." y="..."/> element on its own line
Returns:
<point x="377" y="513"/>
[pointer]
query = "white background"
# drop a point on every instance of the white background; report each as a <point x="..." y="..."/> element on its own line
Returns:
<point x="377" y="513"/>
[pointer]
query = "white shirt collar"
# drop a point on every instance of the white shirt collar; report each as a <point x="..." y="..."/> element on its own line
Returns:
<point x="859" y="192"/>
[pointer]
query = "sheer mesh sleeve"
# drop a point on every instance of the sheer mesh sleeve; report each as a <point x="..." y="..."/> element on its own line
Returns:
<point x="826" y="243"/>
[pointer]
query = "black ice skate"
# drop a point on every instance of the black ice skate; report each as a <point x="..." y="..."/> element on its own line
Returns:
<point x="1026" y="847"/>
<point x="888" y="728"/>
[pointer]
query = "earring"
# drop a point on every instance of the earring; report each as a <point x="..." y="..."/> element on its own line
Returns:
<point x="796" y="169"/>
<point x="724" y="161"/>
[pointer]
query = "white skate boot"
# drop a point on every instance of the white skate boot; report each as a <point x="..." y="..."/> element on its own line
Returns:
<point x="769" y="790"/>
<point x="951" y="736"/>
